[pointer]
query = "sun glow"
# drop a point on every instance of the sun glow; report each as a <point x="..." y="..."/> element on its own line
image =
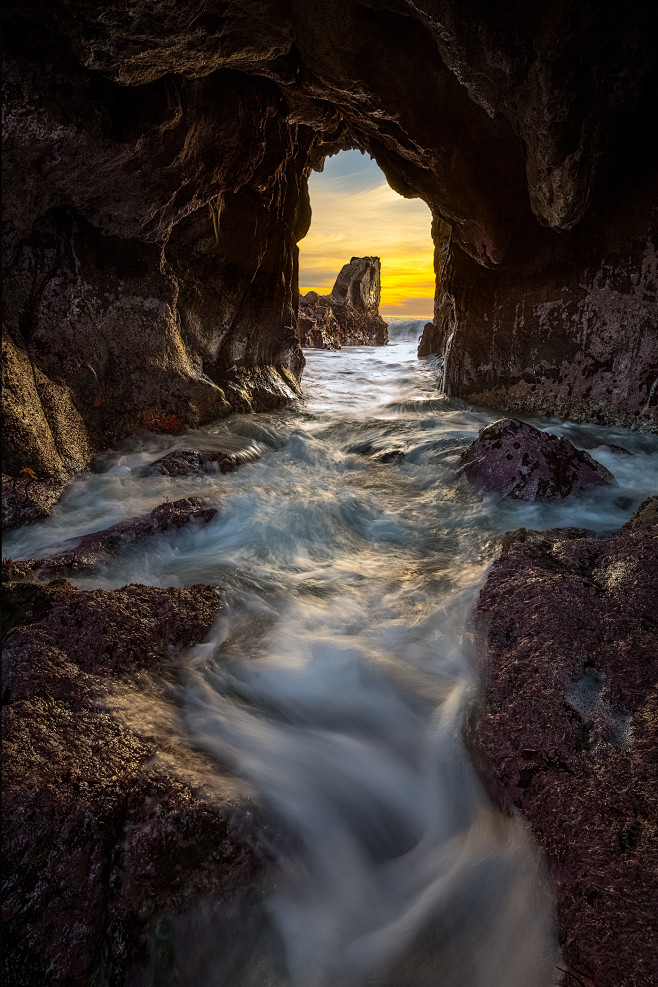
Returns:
<point x="355" y="214"/>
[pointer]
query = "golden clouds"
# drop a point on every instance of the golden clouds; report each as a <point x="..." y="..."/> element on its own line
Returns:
<point x="355" y="214"/>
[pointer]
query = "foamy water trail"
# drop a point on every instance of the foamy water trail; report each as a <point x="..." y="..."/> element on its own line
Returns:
<point x="338" y="683"/>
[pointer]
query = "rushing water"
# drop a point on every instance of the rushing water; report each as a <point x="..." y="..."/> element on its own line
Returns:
<point x="339" y="682"/>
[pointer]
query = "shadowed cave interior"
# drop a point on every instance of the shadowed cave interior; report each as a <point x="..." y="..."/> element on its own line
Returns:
<point x="170" y="163"/>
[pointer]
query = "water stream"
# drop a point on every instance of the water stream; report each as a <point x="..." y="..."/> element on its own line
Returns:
<point x="338" y="684"/>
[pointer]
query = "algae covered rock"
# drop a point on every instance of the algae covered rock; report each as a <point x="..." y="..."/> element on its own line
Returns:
<point x="519" y="461"/>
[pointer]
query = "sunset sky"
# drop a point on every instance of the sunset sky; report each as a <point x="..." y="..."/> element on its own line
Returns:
<point x="355" y="214"/>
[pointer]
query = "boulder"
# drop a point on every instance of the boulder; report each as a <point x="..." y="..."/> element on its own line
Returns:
<point x="566" y="730"/>
<point x="349" y="316"/>
<point x="112" y="825"/>
<point x="187" y="462"/>
<point x="517" y="460"/>
<point x="26" y="498"/>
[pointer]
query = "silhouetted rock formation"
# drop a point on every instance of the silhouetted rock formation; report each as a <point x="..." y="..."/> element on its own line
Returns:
<point x="567" y="730"/>
<point x="349" y="316"/>
<point x="111" y="822"/>
<point x="155" y="189"/>
<point x="519" y="461"/>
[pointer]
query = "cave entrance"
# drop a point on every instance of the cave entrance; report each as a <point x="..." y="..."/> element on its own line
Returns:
<point x="357" y="214"/>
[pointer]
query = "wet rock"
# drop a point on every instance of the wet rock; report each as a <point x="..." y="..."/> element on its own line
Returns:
<point x="187" y="462"/>
<point x="566" y="731"/>
<point x="516" y="460"/>
<point x="390" y="456"/>
<point x="97" y="546"/>
<point x="112" y="825"/>
<point x="349" y="316"/>
<point x="380" y="455"/>
<point x="512" y="338"/>
<point x="26" y="499"/>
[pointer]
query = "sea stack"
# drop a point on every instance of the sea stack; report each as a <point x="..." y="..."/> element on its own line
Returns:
<point x="349" y="316"/>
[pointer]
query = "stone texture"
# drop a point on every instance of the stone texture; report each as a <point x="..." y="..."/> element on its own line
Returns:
<point x="317" y="326"/>
<point x="26" y="500"/>
<point x="93" y="548"/>
<point x="517" y="460"/>
<point x="566" y="327"/>
<point x="107" y="331"/>
<point x="349" y="316"/>
<point x="566" y="730"/>
<point x="186" y="462"/>
<point x="112" y="825"/>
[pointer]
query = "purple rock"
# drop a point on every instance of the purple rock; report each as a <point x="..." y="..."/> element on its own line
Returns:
<point x="518" y="461"/>
<point x="26" y="499"/>
<point x="108" y="828"/>
<point x="92" y="548"/>
<point x="567" y="732"/>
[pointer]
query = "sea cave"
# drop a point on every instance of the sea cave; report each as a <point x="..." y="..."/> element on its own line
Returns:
<point x="330" y="553"/>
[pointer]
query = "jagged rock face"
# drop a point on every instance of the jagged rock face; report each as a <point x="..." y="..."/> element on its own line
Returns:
<point x="567" y="730"/>
<point x="108" y="327"/>
<point x="155" y="188"/>
<point x="566" y="327"/>
<point x="349" y="316"/>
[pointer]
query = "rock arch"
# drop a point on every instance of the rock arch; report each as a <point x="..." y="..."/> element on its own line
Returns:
<point x="156" y="157"/>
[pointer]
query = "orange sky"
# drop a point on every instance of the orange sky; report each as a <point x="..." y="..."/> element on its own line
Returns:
<point x="355" y="214"/>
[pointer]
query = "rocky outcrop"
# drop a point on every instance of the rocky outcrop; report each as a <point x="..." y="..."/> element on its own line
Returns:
<point x="349" y="316"/>
<point x="111" y="323"/>
<point x="566" y="732"/>
<point x="96" y="547"/>
<point x="26" y="498"/>
<point x="516" y="460"/>
<point x="566" y="327"/>
<point x="154" y="190"/>
<point x="112" y="825"/>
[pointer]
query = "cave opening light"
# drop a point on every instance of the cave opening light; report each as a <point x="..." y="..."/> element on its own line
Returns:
<point x="355" y="213"/>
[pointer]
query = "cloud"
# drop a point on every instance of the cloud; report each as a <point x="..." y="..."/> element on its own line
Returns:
<point x="356" y="213"/>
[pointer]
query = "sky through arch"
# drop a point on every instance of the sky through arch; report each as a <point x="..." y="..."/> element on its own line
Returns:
<point x="356" y="213"/>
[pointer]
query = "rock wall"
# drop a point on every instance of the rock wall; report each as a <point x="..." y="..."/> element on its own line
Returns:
<point x="349" y="316"/>
<point x="567" y="327"/>
<point x="155" y="170"/>
<point x="110" y="323"/>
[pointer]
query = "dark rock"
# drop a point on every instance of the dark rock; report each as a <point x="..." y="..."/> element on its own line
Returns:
<point x="390" y="456"/>
<point x="97" y="546"/>
<point x="566" y="732"/>
<point x="516" y="460"/>
<point x="377" y="453"/>
<point x="513" y="338"/>
<point x="26" y="499"/>
<point x="111" y="823"/>
<point x="187" y="462"/>
<point x="349" y="316"/>
<point x="317" y="326"/>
